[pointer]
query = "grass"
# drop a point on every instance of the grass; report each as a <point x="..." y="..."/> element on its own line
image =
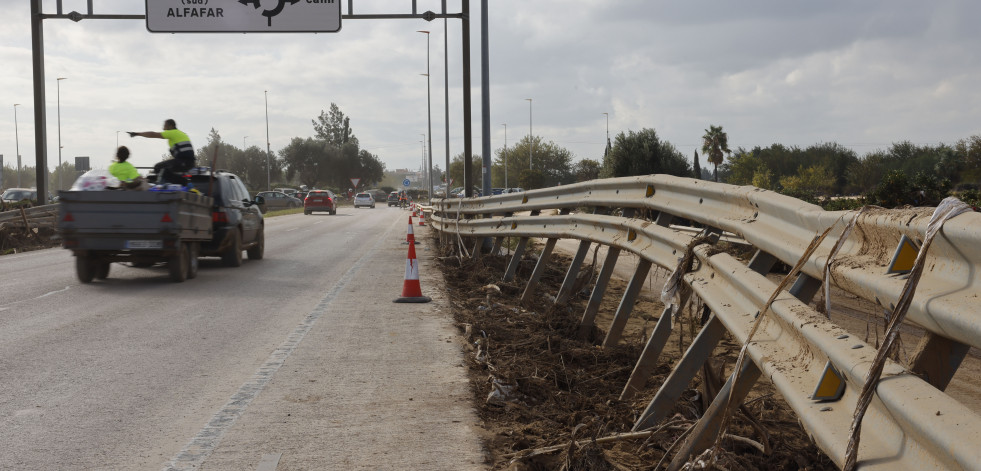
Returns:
<point x="283" y="212"/>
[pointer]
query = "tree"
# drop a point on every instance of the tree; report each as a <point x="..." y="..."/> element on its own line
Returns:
<point x="333" y="127"/>
<point x="715" y="142"/>
<point x="810" y="184"/>
<point x="308" y="160"/>
<point x="551" y="164"/>
<point x="698" y="168"/>
<point x="644" y="153"/>
<point x="586" y="170"/>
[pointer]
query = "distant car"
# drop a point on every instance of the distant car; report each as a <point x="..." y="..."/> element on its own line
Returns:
<point x="393" y="199"/>
<point x="497" y="191"/>
<point x="19" y="196"/>
<point x="364" y="199"/>
<point x="320" y="200"/>
<point x="275" y="200"/>
<point x="513" y="190"/>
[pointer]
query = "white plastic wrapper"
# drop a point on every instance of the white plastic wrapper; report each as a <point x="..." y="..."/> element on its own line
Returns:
<point x="97" y="179"/>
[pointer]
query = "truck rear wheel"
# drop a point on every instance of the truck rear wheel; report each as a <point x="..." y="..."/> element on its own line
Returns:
<point x="84" y="268"/>
<point x="257" y="250"/>
<point x="101" y="270"/>
<point x="177" y="264"/>
<point x="232" y="257"/>
<point x="192" y="260"/>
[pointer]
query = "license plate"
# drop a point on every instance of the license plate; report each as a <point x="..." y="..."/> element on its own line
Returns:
<point x="144" y="244"/>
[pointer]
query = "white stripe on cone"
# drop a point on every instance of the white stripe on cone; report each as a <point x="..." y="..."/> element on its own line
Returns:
<point x="422" y="218"/>
<point x="411" y="288"/>
<point x="410" y="237"/>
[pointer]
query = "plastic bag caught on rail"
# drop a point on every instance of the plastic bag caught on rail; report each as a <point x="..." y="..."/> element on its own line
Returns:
<point x="97" y="179"/>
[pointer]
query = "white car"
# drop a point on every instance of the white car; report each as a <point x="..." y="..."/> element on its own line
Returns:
<point x="364" y="199"/>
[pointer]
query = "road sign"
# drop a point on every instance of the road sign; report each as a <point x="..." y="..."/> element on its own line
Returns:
<point x="406" y="183"/>
<point x="355" y="181"/>
<point x="243" y="16"/>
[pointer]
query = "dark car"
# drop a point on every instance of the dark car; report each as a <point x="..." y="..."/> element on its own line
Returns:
<point x="320" y="200"/>
<point x="276" y="200"/>
<point x="19" y="196"/>
<point x="236" y="219"/>
<point x="393" y="198"/>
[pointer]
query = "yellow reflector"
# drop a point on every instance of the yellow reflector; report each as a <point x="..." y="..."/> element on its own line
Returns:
<point x="631" y="235"/>
<point x="906" y="253"/>
<point x="514" y="225"/>
<point x="524" y="199"/>
<point x="831" y="386"/>
<point x="650" y="190"/>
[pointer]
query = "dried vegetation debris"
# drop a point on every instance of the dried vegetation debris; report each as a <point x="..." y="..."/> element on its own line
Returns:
<point x="549" y="397"/>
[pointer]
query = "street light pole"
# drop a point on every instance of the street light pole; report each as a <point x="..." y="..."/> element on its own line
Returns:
<point x="268" y="183"/>
<point x="58" y="81"/>
<point x="117" y="139"/>
<point x="607" y="144"/>
<point x="17" y="142"/>
<point x="243" y="142"/>
<point x="530" y="142"/>
<point x="504" y="155"/>
<point x="429" y="114"/>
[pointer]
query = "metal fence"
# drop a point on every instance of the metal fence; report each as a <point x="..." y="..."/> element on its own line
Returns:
<point x="911" y="424"/>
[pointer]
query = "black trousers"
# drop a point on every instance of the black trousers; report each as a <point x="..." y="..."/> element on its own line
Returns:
<point x="172" y="170"/>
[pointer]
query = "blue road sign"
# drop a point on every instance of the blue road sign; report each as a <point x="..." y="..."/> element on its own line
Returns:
<point x="406" y="183"/>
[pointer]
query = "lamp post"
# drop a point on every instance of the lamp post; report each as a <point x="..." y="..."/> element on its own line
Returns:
<point x="530" y="143"/>
<point x="268" y="183"/>
<point x="429" y="115"/>
<point x="607" y="145"/>
<point x="117" y="139"/>
<point x="504" y="155"/>
<point x="243" y="142"/>
<point x="17" y="142"/>
<point x="58" y="81"/>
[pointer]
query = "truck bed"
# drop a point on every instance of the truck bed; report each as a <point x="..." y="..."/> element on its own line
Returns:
<point x="132" y="220"/>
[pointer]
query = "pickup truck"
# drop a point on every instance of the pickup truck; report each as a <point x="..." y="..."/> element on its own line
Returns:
<point x="139" y="227"/>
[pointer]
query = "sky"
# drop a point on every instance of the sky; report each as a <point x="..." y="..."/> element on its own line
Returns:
<point x="864" y="74"/>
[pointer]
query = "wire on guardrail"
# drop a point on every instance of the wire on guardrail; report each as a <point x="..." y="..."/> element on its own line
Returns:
<point x="947" y="209"/>
<point x="834" y="251"/>
<point x="727" y="411"/>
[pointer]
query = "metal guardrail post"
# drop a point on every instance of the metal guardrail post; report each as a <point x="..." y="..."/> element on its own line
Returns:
<point x="573" y="273"/>
<point x="540" y="266"/>
<point x="652" y="352"/>
<point x="627" y="303"/>
<point x="519" y="252"/>
<point x="682" y="374"/>
<point x="703" y="434"/>
<point x="599" y="289"/>
<point x="937" y="358"/>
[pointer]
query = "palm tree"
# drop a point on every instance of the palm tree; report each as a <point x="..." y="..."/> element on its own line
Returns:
<point x="715" y="142"/>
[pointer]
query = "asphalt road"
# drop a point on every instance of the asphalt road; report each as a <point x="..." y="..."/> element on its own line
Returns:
<point x="299" y="359"/>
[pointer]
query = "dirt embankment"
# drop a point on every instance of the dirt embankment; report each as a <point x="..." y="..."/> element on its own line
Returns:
<point x="538" y="387"/>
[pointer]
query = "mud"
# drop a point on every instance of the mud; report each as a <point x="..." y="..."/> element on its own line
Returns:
<point x="537" y="384"/>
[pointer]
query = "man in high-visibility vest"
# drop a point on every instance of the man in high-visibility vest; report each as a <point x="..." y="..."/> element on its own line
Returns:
<point x="169" y="171"/>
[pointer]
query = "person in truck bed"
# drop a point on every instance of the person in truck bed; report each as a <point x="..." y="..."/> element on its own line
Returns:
<point x="170" y="171"/>
<point x="129" y="178"/>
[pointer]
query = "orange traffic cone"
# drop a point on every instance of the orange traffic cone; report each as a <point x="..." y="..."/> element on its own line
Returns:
<point x="410" y="237"/>
<point x="411" y="290"/>
<point x="422" y="217"/>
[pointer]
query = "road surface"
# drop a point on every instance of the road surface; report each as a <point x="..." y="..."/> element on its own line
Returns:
<point x="299" y="360"/>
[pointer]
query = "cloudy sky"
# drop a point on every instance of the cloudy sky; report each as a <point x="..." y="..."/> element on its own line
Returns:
<point x="864" y="74"/>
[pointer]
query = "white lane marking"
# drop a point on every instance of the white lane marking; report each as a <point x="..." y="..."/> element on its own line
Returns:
<point x="49" y="293"/>
<point x="197" y="450"/>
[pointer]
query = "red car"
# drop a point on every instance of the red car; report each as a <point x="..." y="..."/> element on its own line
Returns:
<point x="320" y="200"/>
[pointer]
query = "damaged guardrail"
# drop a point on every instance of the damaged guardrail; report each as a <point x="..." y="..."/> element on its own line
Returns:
<point x="915" y="424"/>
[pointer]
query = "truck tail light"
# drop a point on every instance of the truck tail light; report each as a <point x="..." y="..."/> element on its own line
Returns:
<point x="219" y="216"/>
<point x="166" y="218"/>
<point x="68" y="218"/>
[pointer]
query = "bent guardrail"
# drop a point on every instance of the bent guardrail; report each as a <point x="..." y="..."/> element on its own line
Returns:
<point x="915" y="423"/>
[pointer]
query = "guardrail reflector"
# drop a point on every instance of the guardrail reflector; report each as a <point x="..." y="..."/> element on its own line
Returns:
<point x="514" y="225"/>
<point x="831" y="387"/>
<point x="902" y="261"/>
<point x="650" y="190"/>
<point x="631" y="235"/>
